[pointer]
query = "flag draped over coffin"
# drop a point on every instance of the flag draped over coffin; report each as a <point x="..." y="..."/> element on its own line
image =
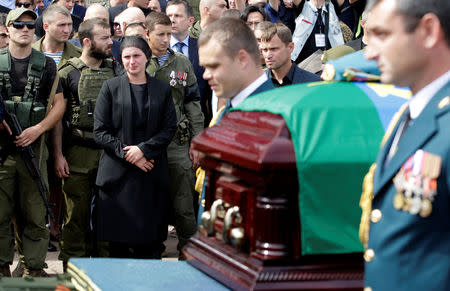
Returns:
<point x="336" y="129"/>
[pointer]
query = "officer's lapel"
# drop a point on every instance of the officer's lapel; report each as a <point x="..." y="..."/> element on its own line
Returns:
<point x="267" y="85"/>
<point x="383" y="154"/>
<point x="125" y="97"/>
<point x="417" y="134"/>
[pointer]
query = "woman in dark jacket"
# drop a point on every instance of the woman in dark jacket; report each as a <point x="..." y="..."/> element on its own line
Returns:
<point x="134" y="123"/>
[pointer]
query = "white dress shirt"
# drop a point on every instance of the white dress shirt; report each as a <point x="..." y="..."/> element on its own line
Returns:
<point x="421" y="99"/>
<point x="241" y="96"/>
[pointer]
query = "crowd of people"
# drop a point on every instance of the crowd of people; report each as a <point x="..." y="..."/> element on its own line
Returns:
<point x="112" y="97"/>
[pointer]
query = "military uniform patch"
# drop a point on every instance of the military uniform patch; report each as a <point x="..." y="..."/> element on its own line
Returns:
<point x="416" y="183"/>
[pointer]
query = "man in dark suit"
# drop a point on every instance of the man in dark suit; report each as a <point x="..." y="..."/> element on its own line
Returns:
<point x="181" y="16"/>
<point x="230" y="55"/>
<point x="276" y="46"/>
<point x="406" y="199"/>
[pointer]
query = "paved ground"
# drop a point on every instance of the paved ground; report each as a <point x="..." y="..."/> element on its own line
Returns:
<point x="55" y="265"/>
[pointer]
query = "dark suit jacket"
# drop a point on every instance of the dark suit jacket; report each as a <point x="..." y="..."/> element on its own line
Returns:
<point x="205" y="90"/>
<point x="296" y="76"/>
<point x="412" y="252"/>
<point x="79" y="11"/>
<point x="113" y="126"/>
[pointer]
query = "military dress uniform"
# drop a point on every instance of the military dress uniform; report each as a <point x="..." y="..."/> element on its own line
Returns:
<point x="178" y="72"/>
<point x="81" y="85"/>
<point x="409" y="233"/>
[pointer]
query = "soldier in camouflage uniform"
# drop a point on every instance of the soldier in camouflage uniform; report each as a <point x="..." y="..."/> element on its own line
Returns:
<point x="27" y="78"/>
<point x="176" y="69"/>
<point x="54" y="42"/>
<point x="82" y="79"/>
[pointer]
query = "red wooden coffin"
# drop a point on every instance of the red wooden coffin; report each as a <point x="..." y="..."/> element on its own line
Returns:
<point x="249" y="236"/>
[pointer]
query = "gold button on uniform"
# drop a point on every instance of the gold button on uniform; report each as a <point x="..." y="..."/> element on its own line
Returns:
<point x="375" y="215"/>
<point x="368" y="255"/>
<point x="367" y="289"/>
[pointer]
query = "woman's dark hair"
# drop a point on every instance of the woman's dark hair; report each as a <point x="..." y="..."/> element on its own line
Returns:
<point x="138" y="42"/>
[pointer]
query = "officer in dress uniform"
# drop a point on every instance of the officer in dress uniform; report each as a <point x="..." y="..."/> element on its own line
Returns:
<point x="406" y="203"/>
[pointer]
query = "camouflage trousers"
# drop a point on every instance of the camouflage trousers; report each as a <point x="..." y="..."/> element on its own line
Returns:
<point x="181" y="188"/>
<point x="21" y="201"/>
<point x="78" y="239"/>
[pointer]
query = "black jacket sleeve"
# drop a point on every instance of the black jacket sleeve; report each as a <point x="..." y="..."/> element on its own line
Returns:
<point x="103" y="130"/>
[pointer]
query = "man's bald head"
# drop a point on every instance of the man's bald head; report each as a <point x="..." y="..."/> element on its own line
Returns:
<point x="132" y="15"/>
<point x="211" y="10"/>
<point x="96" y="10"/>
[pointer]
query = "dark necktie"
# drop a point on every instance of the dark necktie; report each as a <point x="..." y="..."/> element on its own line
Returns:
<point x="179" y="46"/>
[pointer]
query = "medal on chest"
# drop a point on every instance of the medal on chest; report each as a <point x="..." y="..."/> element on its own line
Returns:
<point x="177" y="77"/>
<point x="416" y="184"/>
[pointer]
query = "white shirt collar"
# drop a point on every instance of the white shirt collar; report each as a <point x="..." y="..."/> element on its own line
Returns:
<point x="248" y="90"/>
<point x="174" y="41"/>
<point x="421" y="99"/>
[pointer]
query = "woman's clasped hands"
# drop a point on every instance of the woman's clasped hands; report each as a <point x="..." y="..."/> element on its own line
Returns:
<point x="135" y="156"/>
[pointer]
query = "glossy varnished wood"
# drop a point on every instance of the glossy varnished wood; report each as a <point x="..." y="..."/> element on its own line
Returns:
<point x="250" y="163"/>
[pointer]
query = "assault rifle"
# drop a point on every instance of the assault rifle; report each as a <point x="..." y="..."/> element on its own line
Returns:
<point x="26" y="153"/>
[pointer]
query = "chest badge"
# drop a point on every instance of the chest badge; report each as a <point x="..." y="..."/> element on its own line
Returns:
<point x="177" y="77"/>
<point x="416" y="184"/>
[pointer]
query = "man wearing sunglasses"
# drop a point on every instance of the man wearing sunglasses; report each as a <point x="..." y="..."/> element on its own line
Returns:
<point x="27" y="78"/>
<point x="27" y="4"/>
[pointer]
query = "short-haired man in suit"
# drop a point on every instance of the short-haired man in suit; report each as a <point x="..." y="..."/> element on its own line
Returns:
<point x="229" y="52"/>
<point x="406" y="199"/>
<point x="180" y="14"/>
<point x="230" y="55"/>
<point x="276" y="46"/>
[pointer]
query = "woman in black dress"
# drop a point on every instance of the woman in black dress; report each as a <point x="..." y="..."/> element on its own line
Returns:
<point x="135" y="121"/>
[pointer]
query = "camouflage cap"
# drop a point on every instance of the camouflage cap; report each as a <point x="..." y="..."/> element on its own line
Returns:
<point x="15" y="14"/>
